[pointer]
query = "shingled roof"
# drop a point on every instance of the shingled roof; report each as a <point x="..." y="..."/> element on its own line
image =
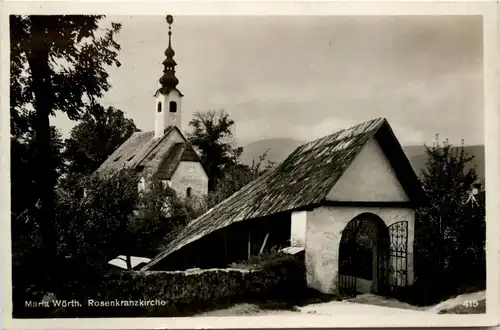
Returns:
<point x="302" y="180"/>
<point x="141" y="148"/>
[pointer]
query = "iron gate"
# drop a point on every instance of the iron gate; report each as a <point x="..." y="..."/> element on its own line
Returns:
<point x="355" y="259"/>
<point x="347" y="282"/>
<point x="393" y="263"/>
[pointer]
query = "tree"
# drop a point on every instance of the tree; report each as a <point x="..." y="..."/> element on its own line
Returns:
<point x="95" y="228"/>
<point x="212" y="136"/>
<point x="95" y="138"/>
<point x="237" y="176"/>
<point x="23" y="166"/>
<point x="160" y="215"/>
<point x="442" y="227"/>
<point x="57" y="64"/>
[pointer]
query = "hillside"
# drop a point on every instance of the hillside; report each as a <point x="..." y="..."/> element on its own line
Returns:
<point x="280" y="148"/>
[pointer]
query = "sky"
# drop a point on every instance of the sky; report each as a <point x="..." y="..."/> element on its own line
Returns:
<point x="304" y="77"/>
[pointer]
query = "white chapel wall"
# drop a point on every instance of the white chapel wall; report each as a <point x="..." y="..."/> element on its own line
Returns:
<point x="298" y="230"/>
<point x="324" y="232"/>
<point x="370" y="177"/>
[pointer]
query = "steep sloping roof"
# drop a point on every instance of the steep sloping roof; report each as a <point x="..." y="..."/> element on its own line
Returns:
<point x="301" y="180"/>
<point x="179" y="152"/>
<point x="139" y="147"/>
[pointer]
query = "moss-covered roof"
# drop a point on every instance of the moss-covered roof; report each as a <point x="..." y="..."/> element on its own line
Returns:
<point x="303" y="179"/>
<point x="141" y="148"/>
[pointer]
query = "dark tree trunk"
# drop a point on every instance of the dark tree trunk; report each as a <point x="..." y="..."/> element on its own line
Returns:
<point x="38" y="59"/>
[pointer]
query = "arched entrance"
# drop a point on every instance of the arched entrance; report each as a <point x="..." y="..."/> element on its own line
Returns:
<point x="363" y="252"/>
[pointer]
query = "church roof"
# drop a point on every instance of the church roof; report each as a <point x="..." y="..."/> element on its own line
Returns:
<point x="178" y="152"/>
<point x="140" y="151"/>
<point x="301" y="181"/>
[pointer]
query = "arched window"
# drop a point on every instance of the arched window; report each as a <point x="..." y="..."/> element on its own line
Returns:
<point x="173" y="106"/>
<point x="188" y="192"/>
<point x="158" y="108"/>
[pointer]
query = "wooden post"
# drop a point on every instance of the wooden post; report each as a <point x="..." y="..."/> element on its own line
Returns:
<point x="249" y="245"/>
<point x="225" y="246"/>
<point x="264" y="244"/>
<point x="129" y="262"/>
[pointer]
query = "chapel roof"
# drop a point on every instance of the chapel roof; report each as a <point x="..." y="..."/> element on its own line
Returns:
<point x="141" y="149"/>
<point x="302" y="180"/>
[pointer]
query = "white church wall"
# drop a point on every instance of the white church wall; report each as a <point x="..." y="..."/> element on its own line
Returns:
<point x="324" y="228"/>
<point x="370" y="177"/>
<point x="190" y="175"/>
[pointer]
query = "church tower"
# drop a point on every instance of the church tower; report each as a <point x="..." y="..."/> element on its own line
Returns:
<point x="168" y="109"/>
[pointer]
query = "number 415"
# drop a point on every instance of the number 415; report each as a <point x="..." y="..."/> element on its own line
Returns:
<point x="471" y="303"/>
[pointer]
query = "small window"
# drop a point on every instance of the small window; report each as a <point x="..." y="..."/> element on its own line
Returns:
<point x="158" y="107"/>
<point x="173" y="106"/>
<point x="188" y="192"/>
<point x="130" y="158"/>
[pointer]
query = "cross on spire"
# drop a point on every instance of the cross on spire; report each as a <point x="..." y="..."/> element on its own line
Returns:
<point x="169" y="81"/>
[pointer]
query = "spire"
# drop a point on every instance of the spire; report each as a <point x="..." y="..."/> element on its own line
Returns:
<point x="169" y="81"/>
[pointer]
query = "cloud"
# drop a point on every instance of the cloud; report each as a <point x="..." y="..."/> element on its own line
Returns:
<point x="408" y="135"/>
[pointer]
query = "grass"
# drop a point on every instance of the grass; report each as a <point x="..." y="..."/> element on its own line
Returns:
<point x="462" y="309"/>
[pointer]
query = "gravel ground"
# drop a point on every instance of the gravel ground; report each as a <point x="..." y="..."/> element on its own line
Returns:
<point x="365" y="304"/>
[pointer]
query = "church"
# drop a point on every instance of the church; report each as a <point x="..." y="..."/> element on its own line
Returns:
<point x="163" y="154"/>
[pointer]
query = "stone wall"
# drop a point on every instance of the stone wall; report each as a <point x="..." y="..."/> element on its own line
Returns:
<point x="169" y="293"/>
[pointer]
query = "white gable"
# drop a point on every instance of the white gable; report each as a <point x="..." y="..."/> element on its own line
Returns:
<point x="190" y="175"/>
<point x="370" y="178"/>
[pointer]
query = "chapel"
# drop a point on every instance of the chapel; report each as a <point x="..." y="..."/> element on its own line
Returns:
<point x="346" y="200"/>
<point x="163" y="153"/>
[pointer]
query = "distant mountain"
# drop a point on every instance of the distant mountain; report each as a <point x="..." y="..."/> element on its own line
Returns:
<point x="280" y="148"/>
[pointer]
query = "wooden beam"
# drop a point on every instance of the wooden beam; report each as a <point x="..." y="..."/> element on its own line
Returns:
<point x="368" y="204"/>
<point x="264" y="244"/>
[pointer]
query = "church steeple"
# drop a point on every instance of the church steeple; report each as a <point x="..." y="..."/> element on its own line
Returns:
<point x="168" y="110"/>
<point x="169" y="80"/>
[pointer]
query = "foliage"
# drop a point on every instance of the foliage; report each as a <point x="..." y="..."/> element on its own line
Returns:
<point x="57" y="64"/>
<point x="160" y="215"/>
<point x="26" y="235"/>
<point x="22" y="173"/>
<point x="95" y="138"/>
<point x="95" y="227"/>
<point x="212" y="136"/>
<point x="450" y="233"/>
<point x="236" y="177"/>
